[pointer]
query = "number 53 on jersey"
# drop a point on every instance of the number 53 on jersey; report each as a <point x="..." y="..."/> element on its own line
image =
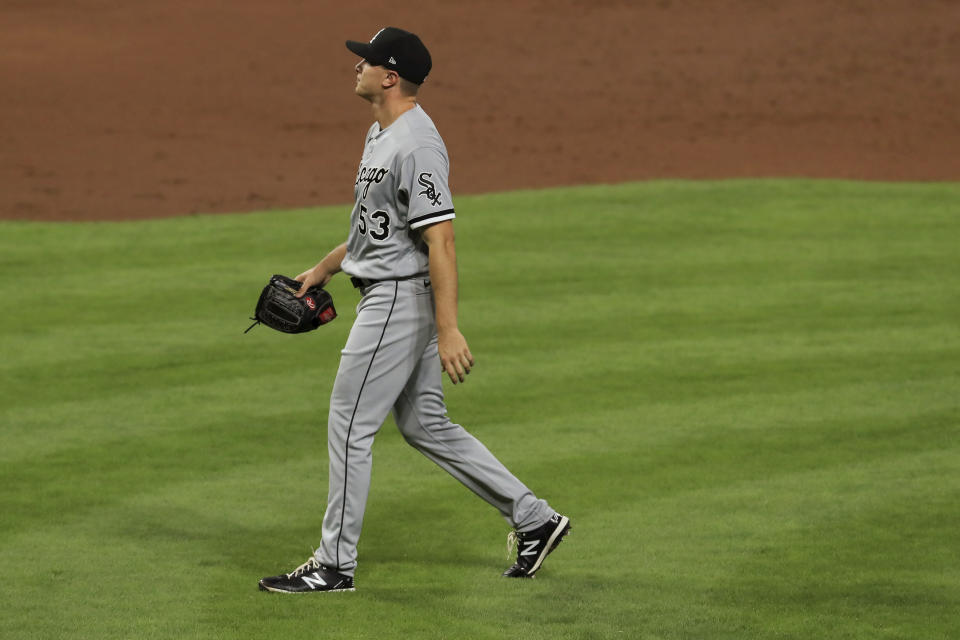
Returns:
<point x="379" y="227"/>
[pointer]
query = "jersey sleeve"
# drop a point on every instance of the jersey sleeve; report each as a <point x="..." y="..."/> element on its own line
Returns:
<point x="423" y="188"/>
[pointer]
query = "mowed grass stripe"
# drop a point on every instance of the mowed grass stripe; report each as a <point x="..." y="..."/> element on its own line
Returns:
<point x="743" y="392"/>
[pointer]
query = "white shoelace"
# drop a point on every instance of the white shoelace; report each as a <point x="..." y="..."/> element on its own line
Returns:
<point x="512" y="540"/>
<point x="309" y="565"/>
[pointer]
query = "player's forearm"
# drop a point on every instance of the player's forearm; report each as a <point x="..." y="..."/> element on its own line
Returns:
<point x="330" y="264"/>
<point x="443" y="278"/>
<point x="321" y="272"/>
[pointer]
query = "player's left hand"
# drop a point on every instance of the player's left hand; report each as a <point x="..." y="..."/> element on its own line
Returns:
<point x="455" y="356"/>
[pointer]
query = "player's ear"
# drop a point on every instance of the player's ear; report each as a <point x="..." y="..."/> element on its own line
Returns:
<point x="390" y="79"/>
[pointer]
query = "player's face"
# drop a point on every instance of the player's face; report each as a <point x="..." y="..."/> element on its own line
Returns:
<point x="369" y="79"/>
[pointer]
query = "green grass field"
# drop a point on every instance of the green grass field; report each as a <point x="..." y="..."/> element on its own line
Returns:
<point x="746" y="395"/>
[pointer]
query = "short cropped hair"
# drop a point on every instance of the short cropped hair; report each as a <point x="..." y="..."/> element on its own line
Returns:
<point x="408" y="88"/>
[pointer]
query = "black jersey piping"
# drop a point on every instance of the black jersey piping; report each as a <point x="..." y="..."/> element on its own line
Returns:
<point x="429" y="216"/>
<point x="346" y="448"/>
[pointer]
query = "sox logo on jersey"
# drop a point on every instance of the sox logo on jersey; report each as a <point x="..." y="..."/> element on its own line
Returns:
<point x="431" y="189"/>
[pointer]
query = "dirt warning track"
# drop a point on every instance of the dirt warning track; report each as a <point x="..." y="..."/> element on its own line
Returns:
<point x="131" y="110"/>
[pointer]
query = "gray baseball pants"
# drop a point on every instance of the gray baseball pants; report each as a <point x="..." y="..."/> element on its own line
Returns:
<point x="391" y="363"/>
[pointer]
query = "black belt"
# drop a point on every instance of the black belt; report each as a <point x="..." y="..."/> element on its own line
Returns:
<point x="363" y="283"/>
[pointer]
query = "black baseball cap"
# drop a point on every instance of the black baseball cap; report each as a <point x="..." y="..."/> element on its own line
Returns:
<point x="398" y="50"/>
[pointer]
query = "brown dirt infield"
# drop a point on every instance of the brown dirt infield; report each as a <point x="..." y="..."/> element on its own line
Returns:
<point x="118" y="109"/>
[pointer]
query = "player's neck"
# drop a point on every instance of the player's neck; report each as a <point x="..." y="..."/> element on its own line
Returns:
<point x="386" y="112"/>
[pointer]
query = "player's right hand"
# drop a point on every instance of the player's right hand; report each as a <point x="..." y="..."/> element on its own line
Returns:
<point x="312" y="277"/>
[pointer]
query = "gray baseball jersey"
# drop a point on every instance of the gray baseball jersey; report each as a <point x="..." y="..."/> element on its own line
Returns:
<point x="401" y="186"/>
<point x="390" y="362"/>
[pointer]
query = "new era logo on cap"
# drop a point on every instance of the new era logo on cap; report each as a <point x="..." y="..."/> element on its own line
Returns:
<point x="398" y="50"/>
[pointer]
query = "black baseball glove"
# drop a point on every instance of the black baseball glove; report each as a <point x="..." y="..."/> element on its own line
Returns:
<point x="280" y="309"/>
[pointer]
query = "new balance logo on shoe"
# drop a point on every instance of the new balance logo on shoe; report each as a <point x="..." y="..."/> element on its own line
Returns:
<point x="531" y="548"/>
<point x="534" y="546"/>
<point x="310" y="577"/>
<point x="314" y="581"/>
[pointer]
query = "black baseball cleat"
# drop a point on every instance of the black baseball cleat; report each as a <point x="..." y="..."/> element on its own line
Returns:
<point x="310" y="577"/>
<point x="534" y="546"/>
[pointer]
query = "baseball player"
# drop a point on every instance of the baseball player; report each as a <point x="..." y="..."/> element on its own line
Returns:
<point x="400" y="254"/>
